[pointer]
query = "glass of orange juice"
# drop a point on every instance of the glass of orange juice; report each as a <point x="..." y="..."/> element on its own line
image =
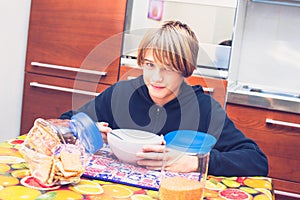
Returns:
<point x="186" y="186"/>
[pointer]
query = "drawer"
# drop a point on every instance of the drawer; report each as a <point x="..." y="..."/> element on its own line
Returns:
<point x="106" y="73"/>
<point x="48" y="97"/>
<point x="276" y="136"/>
<point x="216" y="87"/>
<point x="275" y="122"/>
<point x="76" y="34"/>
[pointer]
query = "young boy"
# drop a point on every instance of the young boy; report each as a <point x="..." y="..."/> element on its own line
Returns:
<point x="161" y="101"/>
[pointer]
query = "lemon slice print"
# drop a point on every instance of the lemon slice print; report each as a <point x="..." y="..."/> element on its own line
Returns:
<point x="87" y="187"/>
<point x="249" y="190"/>
<point x="102" y="182"/>
<point x="231" y="183"/>
<point x="19" y="166"/>
<point x="214" y="185"/>
<point x="211" y="194"/>
<point x="20" y="173"/>
<point x="261" y="197"/>
<point x="266" y="192"/>
<point x="152" y="193"/>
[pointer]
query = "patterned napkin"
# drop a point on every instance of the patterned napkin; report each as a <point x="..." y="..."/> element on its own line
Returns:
<point x="105" y="166"/>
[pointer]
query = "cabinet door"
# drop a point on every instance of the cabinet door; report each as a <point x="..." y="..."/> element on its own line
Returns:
<point x="67" y="35"/>
<point x="217" y="88"/>
<point x="278" y="136"/>
<point x="127" y="72"/>
<point x="48" y="97"/>
<point x="213" y="86"/>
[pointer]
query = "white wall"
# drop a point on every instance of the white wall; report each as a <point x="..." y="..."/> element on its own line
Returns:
<point x="205" y="17"/>
<point x="14" y="18"/>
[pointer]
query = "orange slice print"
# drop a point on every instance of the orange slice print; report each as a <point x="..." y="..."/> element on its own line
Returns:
<point x="117" y="191"/>
<point x="258" y="183"/>
<point x="4" y="167"/>
<point x="19" y="192"/>
<point x="8" y="180"/>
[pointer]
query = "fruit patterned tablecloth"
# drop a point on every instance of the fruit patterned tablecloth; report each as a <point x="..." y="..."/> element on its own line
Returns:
<point x="16" y="183"/>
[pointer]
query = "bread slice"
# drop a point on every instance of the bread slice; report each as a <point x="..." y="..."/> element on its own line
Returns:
<point x="42" y="169"/>
<point x="71" y="160"/>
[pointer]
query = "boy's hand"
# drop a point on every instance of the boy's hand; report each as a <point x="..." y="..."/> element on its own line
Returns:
<point x="104" y="129"/>
<point x="153" y="156"/>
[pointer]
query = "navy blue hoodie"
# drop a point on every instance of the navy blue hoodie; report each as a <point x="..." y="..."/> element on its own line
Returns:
<point x="127" y="104"/>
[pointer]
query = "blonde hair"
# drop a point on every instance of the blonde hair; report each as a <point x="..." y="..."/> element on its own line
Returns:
<point x="174" y="45"/>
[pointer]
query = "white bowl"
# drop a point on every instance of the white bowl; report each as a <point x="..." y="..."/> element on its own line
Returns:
<point x="125" y="143"/>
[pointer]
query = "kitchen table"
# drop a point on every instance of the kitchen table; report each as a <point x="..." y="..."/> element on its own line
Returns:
<point x="16" y="183"/>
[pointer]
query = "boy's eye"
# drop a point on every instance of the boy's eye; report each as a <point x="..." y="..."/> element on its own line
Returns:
<point x="149" y="64"/>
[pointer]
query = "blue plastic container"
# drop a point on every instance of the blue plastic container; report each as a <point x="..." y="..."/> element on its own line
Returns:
<point x="190" y="141"/>
<point x="86" y="131"/>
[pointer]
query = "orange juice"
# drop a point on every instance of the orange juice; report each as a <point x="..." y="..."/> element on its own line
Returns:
<point x="178" y="188"/>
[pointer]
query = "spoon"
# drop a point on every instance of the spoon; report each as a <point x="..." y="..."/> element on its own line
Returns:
<point x="116" y="135"/>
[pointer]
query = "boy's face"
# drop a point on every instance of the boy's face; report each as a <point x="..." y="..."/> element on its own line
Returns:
<point x="162" y="82"/>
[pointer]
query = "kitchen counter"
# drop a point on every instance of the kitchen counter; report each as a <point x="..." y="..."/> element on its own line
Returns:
<point x="16" y="183"/>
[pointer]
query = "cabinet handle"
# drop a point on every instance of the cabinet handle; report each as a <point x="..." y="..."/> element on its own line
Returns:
<point x="277" y="122"/>
<point x="73" y="69"/>
<point x="206" y="89"/>
<point x="131" y="77"/>
<point x="288" y="194"/>
<point x="63" y="89"/>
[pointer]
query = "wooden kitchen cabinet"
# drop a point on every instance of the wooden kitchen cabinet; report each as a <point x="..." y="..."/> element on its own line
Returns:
<point x="71" y="45"/>
<point x="49" y="96"/>
<point x="278" y="135"/>
<point x="76" y="34"/>
<point x="214" y="86"/>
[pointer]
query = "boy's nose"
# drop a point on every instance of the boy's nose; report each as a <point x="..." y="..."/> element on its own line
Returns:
<point x="157" y="75"/>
